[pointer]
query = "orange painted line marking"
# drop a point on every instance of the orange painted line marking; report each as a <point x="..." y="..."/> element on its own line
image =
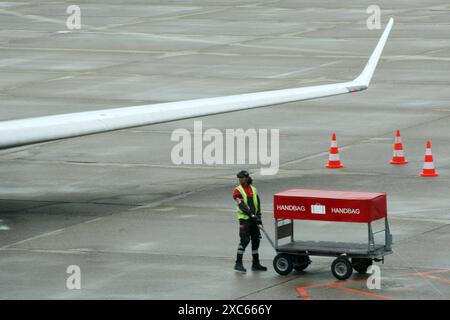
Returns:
<point x="361" y="292"/>
<point x="330" y="283"/>
<point x="304" y="294"/>
<point x="314" y="286"/>
<point x="303" y="291"/>
<point x="444" y="280"/>
<point x="424" y="274"/>
<point x="429" y="274"/>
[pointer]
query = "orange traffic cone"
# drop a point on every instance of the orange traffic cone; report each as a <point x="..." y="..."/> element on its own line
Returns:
<point x="399" y="154"/>
<point x="428" y="164"/>
<point x="333" y="160"/>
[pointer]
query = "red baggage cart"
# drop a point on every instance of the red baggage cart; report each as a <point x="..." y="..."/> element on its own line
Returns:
<point x="323" y="205"/>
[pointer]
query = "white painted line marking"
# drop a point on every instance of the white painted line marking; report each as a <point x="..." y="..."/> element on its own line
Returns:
<point x="12" y="62"/>
<point x="51" y="233"/>
<point x="165" y="209"/>
<point x="186" y="216"/>
<point x="33" y="17"/>
<point x="158" y="36"/>
<point x="303" y="70"/>
<point x="60" y="78"/>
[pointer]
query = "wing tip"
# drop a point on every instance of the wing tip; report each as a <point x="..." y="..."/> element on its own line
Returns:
<point x="366" y="75"/>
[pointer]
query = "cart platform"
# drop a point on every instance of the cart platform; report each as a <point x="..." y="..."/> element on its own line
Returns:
<point x="327" y="248"/>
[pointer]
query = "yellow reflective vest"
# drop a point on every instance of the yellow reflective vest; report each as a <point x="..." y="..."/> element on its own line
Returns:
<point x="239" y="213"/>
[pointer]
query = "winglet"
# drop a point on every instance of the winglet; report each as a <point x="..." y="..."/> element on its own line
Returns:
<point x="364" y="78"/>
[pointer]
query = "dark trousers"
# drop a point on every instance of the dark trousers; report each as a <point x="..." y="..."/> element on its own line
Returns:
<point x="248" y="231"/>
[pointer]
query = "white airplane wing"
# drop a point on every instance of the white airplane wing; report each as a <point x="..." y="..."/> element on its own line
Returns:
<point x="40" y="129"/>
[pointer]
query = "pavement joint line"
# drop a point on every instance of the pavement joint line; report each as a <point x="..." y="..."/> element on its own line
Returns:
<point x="266" y="288"/>
<point x="159" y="36"/>
<point x="114" y="164"/>
<point x="200" y="167"/>
<point x="103" y="71"/>
<point x="440" y="221"/>
<point x="121" y="252"/>
<point x="26" y="209"/>
<point x="63" y="20"/>
<point x="107" y="103"/>
<point x="30" y="200"/>
<point x="245" y="43"/>
<point x="427" y="281"/>
<point x="174" y="17"/>
<point x="13" y="87"/>
<point x="421" y="234"/>
<point x="59" y="202"/>
<point x="302" y="71"/>
<point x="33" y="17"/>
<point x="33" y="238"/>
<point x="111" y="203"/>
<point x="175" y="197"/>
<point x="54" y="232"/>
<point x="132" y="21"/>
<point x="351" y="57"/>
<point x="30" y="148"/>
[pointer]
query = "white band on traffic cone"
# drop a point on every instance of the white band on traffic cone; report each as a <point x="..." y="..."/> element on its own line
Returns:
<point x="428" y="165"/>
<point x="334" y="157"/>
<point x="399" y="153"/>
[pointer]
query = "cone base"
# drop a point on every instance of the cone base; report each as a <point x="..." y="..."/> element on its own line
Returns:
<point x="398" y="162"/>
<point x="429" y="174"/>
<point x="334" y="166"/>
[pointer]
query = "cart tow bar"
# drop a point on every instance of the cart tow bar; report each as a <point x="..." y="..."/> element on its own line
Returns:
<point x="267" y="236"/>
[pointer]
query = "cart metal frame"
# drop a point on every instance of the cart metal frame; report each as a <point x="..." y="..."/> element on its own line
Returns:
<point x="327" y="248"/>
<point x="363" y="253"/>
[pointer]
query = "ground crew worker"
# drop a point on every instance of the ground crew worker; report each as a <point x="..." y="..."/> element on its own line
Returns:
<point x="248" y="210"/>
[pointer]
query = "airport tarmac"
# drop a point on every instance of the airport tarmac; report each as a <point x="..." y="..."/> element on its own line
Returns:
<point x="141" y="227"/>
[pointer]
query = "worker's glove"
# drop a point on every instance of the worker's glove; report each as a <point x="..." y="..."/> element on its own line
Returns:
<point x="259" y="221"/>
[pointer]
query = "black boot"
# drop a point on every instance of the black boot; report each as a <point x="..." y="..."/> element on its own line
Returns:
<point x="238" y="265"/>
<point x="256" y="266"/>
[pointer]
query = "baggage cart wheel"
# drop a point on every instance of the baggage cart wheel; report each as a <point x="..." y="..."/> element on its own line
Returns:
<point x="301" y="263"/>
<point x="282" y="264"/>
<point x="361" y="264"/>
<point x="341" y="268"/>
